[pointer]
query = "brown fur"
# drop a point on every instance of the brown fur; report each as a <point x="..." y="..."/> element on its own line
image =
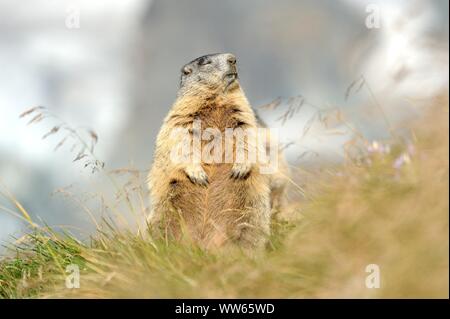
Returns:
<point x="226" y="210"/>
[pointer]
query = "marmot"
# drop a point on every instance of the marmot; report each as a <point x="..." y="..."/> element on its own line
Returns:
<point x="212" y="203"/>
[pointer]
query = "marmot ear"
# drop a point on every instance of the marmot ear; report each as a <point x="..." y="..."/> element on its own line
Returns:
<point x="186" y="70"/>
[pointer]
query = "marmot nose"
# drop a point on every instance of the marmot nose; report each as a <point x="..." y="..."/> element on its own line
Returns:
<point x="231" y="59"/>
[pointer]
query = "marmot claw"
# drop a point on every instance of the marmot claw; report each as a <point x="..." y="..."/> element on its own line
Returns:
<point x="240" y="170"/>
<point x="197" y="175"/>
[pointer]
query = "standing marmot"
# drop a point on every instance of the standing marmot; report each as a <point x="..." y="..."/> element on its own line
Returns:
<point x="212" y="203"/>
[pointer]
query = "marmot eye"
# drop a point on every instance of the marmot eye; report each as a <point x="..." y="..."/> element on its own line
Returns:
<point x="204" y="61"/>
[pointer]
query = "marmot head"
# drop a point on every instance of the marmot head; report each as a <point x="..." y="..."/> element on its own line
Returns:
<point x="215" y="73"/>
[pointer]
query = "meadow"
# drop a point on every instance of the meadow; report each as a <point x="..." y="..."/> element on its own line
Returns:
<point x="387" y="205"/>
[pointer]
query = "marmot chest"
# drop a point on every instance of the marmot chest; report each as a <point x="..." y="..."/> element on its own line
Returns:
<point x="218" y="117"/>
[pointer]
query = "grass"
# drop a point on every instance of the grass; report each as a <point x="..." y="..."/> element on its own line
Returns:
<point x="385" y="208"/>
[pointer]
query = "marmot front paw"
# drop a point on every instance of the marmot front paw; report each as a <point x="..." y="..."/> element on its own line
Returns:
<point x="197" y="175"/>
<point x="241" y="170"/>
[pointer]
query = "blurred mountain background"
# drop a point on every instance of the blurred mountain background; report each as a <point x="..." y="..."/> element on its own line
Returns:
<point x="117" y="72"/>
